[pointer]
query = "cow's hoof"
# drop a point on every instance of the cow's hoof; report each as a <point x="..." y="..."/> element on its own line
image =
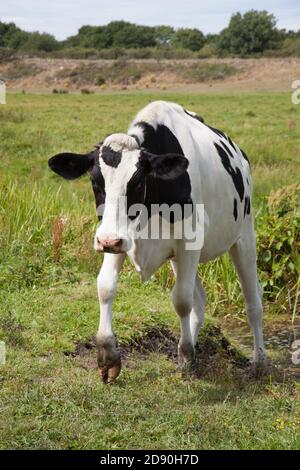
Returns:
<point x="186" y="356"/>
<point x="109" y="373"/>
<point x="108" y="358"/>
<point x="260" y="357"/>
<point x="261" y="366"/>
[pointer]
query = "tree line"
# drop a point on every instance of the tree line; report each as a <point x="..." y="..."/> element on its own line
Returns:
<point x="251" y="33"/>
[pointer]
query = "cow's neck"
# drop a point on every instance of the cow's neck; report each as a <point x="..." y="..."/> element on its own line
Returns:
<point x="148" y="255"/>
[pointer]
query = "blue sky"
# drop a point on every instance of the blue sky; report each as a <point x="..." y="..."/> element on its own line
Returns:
<point x="63" y="17"/>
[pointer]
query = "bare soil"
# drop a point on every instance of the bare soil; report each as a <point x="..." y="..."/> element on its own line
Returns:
<point x="266" y="74"/>
<point x="215" y="354"/>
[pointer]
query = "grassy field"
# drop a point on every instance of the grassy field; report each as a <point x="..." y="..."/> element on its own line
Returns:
<point x="50" y="392"/>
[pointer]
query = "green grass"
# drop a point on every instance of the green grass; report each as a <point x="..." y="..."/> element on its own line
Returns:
<point x="48" y="297"/>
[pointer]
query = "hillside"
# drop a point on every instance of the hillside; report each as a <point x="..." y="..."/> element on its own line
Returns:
<point x="203" y="75"/>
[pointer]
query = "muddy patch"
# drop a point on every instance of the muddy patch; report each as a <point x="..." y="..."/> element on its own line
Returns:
<point x="281" y="340"/>
<point x="158" y="340"/>
<point x="214" y="352"/>
<point x="155" y="340"/>
<point x="82" y="348"/>
<point x="278" y="337"/>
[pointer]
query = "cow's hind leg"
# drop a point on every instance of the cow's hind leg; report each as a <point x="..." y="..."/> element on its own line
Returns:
<point x="197" y="312"/>
<point x="185" y="269"/>
<point x="243" y="255"/>
<point x="109" y="360"/>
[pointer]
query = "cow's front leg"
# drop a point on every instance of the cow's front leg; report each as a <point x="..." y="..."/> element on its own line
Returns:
<point x="109" y="360"/>
<point x="185" y="268"/>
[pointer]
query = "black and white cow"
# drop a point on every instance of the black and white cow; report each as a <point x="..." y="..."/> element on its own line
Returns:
<point x="169" y="155"/>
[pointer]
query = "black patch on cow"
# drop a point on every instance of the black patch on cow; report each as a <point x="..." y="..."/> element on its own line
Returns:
<point x="135" y="137"/>
<point x="235" y="209"/>
<point x="248" y="181"/>
<point x="247" y="206"/>
<point x="111" y="157"/>
<point x="159" y="141"/>
<point x="177" y="191"/>
<point x="222" y="134"/>
<point x="98" y="184"/>
<point x="245" y="156"/>
<point x="231" y="143"/>
<point x="227" y="148"/>
<point x="217" y="132"/>
<point x="135" y="191"/>
<point x="235" y="174"/>
<point x="194" y="116"/>
<point x="148" y="190"/>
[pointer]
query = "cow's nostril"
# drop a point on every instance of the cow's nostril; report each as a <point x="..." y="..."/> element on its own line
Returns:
<point x="109" y="242"/>
<point x="113" y="243"/>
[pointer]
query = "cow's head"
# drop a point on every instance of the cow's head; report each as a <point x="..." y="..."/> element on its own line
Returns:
<point x="118" y="168"/>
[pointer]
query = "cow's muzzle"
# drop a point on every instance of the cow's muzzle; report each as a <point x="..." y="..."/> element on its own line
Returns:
<point x="109" y="244"/>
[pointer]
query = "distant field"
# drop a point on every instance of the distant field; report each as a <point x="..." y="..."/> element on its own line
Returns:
<point x="50" y="392"/>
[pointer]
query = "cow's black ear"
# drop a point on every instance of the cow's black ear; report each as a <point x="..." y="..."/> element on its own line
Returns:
<point x="72" y="165"/>
<point x="167" y="167"/>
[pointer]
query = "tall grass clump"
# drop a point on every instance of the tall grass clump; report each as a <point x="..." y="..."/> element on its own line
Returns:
<point x="37" y="240"/>
<point x="278" y="239"/>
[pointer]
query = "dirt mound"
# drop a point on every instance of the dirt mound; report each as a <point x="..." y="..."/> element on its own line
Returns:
<point x="214" y="352"/>
<point x="155" y="340"/>
<point x="160" y="340"/>
<point x="213" y="344"/>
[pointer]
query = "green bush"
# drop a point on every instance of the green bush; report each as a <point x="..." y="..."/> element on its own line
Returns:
<point x="290" y="48"/>
<point x="20" y="69"/>
<point x="100" y="80"/>
<point x="206" y="72"/>
<point x="59" y="92"/>
<point x="6" y="55"/>
<point x="278" y="240"/>
<point x="39" y="42"/>
<point x="187" y="38"/>
<point x="207" y="51"/>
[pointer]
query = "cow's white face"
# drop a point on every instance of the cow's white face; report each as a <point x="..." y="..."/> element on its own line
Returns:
<point x="119" y="158"/>
<point x="119" y="171"/>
